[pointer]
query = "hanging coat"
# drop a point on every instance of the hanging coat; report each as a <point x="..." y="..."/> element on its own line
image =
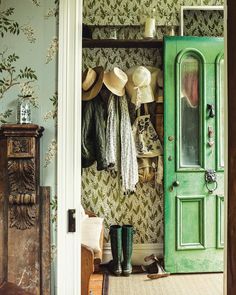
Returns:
<point x="93" y="136"/>
<point x="112" y="134"/>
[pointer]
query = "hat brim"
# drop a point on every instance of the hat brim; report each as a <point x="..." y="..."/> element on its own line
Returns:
<point x="106" y="81"/>
<point x="93" y="92"/>
<point x="115" y="91"/>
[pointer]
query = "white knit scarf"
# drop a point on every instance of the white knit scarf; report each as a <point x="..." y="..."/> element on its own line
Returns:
<point x="129" y="164"/>
<point x="111" y="134"/>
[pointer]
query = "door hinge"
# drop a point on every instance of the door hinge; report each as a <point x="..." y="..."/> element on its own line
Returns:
<point x="71" y="220"/>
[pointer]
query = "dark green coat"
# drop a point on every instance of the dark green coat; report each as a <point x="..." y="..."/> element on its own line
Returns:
<point x="94" y="133"/>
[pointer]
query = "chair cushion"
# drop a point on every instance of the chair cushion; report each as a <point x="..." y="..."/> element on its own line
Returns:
<point x="91" y="229"/>
<point x="83" y="215"/>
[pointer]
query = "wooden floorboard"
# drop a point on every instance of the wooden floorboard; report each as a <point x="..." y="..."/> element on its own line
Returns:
<point x="96" y="282"/>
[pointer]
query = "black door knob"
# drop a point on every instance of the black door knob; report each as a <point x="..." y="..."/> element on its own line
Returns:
<point x="176" y="183"/>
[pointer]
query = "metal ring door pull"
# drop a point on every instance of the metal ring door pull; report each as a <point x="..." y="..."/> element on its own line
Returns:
<point x="211" y="190"/>
<point x="210" y="178"/>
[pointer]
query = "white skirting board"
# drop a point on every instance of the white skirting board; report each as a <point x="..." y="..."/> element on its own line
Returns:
<point x="139" y="252"/>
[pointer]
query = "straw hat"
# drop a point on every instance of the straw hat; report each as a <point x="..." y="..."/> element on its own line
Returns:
<point x="138" y="86"/>
<point x="148" y="96"/>
<point x="115" y="81"/>
<point x="92" y="81"/>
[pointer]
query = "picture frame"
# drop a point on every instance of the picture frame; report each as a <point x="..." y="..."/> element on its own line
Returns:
<point x="196" y="8"/>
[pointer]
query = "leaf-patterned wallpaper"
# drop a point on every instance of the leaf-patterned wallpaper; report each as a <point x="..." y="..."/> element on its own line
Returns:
<point x="100" y="190"/>
<point x="204" y="23"/>
<point x="28" y="65"/>
<point x="123" y="12"/>
<point x="101" y="193"/>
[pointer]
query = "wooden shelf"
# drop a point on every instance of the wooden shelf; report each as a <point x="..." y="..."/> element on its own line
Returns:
<point x="116" y="43"/>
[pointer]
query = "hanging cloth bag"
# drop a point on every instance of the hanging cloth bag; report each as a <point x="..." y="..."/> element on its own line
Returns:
<point x="146" y="139"/>
<point x="147" y="169"/>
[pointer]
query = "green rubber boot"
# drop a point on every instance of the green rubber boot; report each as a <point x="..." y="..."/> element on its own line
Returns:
<point x="116" y="249"/>
<point x="127" y="244"/>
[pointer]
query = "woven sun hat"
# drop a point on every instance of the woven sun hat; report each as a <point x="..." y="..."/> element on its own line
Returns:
<point x="115" y="81"/>
<point x="92" y="81"/>
<point x="139" y="85"/>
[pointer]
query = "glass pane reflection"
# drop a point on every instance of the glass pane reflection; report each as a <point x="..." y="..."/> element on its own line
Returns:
<point x="189" y="117"/>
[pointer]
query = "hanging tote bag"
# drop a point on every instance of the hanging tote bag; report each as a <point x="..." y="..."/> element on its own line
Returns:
<point x="147" y="169"/>
<point x="146" y="139"/>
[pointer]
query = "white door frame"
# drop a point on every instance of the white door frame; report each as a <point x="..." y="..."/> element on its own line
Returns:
<point x="69" y="138"/>
<point x="69" y="147"/>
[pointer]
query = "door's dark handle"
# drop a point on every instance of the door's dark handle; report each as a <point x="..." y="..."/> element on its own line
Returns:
<point x="211" y="190"/>
<point x="176" y="183"/>
<point x="211" y="110"/>
<point x="71" y="221"/>
<point x="211" y="179"/>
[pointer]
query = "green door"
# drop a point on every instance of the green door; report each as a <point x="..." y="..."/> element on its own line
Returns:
<point x="194" y="155"/>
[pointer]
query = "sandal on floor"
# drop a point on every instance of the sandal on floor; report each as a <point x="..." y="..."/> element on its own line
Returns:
<point x="157" y="275"/>
<point x="154" y="269"/>
<point x="161" y="273"/>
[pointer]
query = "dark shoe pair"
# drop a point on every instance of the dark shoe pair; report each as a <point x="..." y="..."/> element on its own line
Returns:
<point x="121" y="238"/>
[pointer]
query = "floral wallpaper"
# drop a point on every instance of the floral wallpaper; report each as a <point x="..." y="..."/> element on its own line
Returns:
<point x="28" y="66"/>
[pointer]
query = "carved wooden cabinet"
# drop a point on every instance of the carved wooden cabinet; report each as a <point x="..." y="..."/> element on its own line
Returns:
<point x="24" y="210"/>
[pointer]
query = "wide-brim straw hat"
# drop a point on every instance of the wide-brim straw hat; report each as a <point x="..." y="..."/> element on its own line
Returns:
<point x="149" y="95"/>
<point x="115" y="81"/>
<point x="92" y="81"/>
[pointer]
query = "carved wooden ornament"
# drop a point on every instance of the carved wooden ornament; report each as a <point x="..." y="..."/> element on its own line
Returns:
<point x="22" y="187"/>
<point x="22" y="166"/>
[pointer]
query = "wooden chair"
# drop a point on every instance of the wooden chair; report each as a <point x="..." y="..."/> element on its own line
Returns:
<point x="90" y="261"/>
<point x="12" y="289"/>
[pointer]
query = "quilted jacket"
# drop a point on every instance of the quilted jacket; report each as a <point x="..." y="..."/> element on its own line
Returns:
<point x="94" y="133"/>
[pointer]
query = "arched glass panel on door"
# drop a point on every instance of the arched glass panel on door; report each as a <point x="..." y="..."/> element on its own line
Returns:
<point x="190" y="111"/>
